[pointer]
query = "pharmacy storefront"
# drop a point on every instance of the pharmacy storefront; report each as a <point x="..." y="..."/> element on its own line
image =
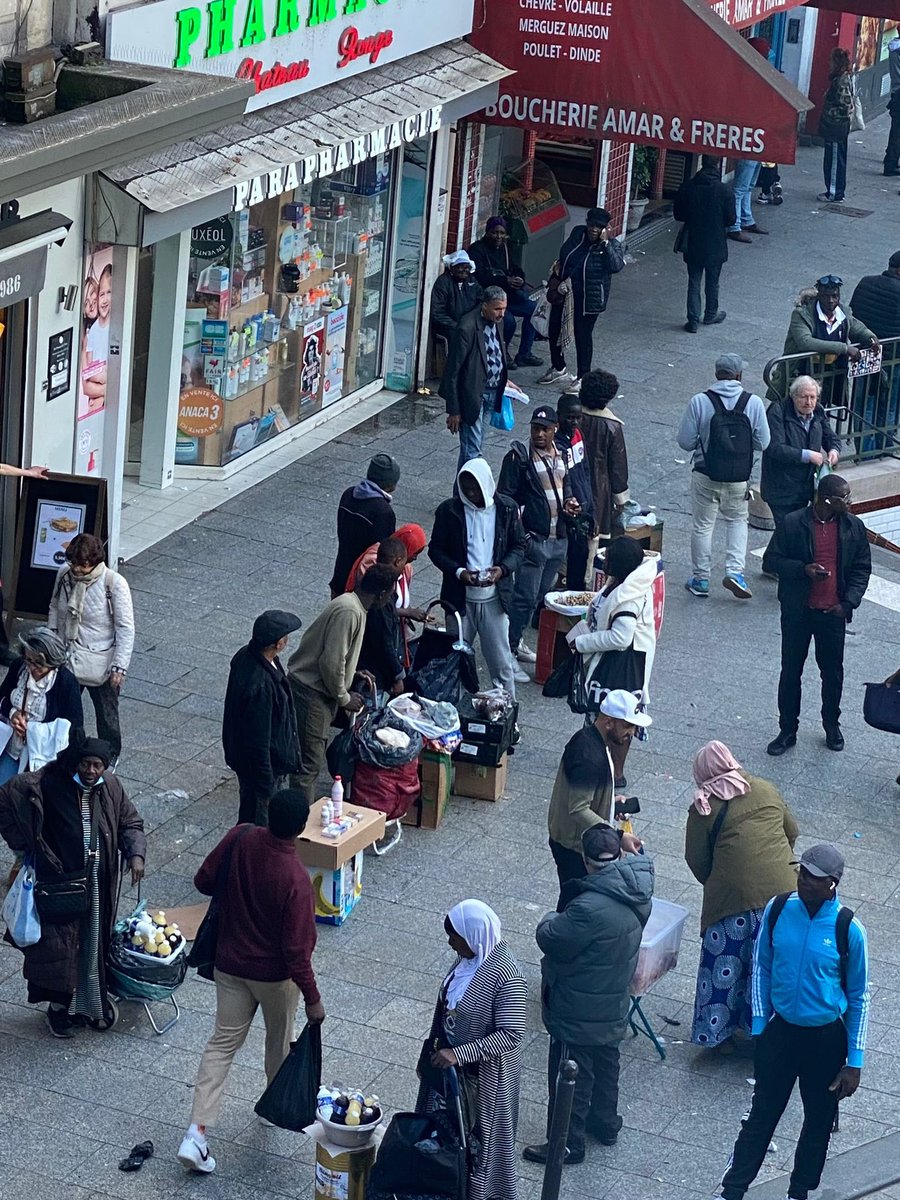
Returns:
<point x="281" y="263"/>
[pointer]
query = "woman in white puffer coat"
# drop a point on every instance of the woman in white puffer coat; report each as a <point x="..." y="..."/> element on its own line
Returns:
<point x="91" y="610"/>
<point x="617" y="638"/>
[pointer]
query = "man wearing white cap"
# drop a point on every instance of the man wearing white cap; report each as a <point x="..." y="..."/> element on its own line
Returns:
<point x="455" y="293"/>
<point x="810" y="1000"/>
<point x="723" y="428"/>
<point x="583" y="790"/>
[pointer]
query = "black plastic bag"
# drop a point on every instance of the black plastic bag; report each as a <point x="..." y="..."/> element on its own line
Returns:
<point x="559" y="681"/>
<point x="375" y="753"/>
<point x="881" y="708"/>
<point x="342" y="754"/>
<point x="290" y="1099"/>
<point x="402" y="1169"/>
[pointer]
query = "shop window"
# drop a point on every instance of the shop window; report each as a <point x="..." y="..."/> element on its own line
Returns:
<point x="141" y="356"/>
<point x="285" y="312"/>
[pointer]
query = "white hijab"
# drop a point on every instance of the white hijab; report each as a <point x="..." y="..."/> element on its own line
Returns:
<point x="479" y="926"/>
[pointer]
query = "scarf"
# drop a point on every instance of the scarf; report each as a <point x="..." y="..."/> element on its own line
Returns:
<point x="29" y="696"/>
<point x="718" y="773"/>
<point x="479" y="926"/>
<point x="567" y="328"/>
<point x="77" y="597"/>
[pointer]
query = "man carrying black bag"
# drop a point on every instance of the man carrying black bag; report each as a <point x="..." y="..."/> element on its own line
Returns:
<point x="266" y="937"/>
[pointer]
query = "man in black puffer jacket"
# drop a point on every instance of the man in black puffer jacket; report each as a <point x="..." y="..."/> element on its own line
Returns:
<point x="876" y="300"/>
<point x="590" y="947"/>
<point x="588" y="259"/>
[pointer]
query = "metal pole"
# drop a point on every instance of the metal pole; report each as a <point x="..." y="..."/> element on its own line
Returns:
<point x="559" y="1129"/>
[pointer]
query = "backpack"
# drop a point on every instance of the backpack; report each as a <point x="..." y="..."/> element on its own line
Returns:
<point x="729" y="453"/>
<point x="841" y="931"/>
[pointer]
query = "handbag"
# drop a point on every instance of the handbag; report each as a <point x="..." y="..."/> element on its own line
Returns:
<point x="559" y="681"/>
<point x="19" y="909"/>
<point x="504" y="417"/>
<point x="203" y="952"/>
<point x="615" y="670"/>
<point x="90" y="667"/>
<point x="540" y="318"/>
<point x="290" y="1099"/>
<point x="66" y="896"/>
<point x="881" y="707"/>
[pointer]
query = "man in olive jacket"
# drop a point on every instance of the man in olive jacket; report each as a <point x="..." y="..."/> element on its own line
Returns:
<point x="590" y="947"/>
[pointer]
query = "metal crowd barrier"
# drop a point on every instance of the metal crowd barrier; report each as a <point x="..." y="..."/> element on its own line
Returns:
<point x="865" y="411"/>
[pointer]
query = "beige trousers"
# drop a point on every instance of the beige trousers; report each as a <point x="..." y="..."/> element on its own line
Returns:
<point x="236" y="1003"/>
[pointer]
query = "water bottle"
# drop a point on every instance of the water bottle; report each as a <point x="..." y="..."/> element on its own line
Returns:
<point x="337" y="797"/>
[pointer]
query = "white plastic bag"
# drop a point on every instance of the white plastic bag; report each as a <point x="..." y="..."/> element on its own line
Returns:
<point x="20" y="911"/>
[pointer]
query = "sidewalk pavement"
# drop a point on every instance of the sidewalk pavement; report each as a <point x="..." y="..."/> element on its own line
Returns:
<point x="69" y="1111"/>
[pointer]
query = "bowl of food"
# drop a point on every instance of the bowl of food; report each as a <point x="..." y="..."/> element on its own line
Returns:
<point x="569" y="603"/>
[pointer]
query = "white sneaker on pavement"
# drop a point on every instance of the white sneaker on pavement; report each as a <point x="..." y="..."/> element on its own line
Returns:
<point x="194" y="1155"/>
<point x="551" y="375"/>
<point x="519" y="675"/>
<point x="525" y="653"/>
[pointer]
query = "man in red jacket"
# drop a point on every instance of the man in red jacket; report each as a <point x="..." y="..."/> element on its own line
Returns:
<point x="266" y="937"/>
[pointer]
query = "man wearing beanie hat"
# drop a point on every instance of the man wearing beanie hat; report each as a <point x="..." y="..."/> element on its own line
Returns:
<point x="365" y="516"/>
<point x="588" y="259"/>
<point x="496" y="265"/>
<point x="706" y="206"/>
<point x="259" y="725"/>
<point x="454" y="294"/>
<point x="810" y="1000"/>
<point x="590" y="950"/>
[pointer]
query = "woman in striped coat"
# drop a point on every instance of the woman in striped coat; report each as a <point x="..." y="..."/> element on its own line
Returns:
<point x="478" y="1027"/>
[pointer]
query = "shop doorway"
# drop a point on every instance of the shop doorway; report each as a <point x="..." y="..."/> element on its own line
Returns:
<point x="408" y="255"/>
<point x="137" y="399"/>
<point x="13" y="335"/>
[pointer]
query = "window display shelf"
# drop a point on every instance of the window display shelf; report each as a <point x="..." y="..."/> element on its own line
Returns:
<point x="257" y="385"/>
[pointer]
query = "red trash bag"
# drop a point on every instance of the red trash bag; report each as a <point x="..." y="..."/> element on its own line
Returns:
<point x="392" y="790"/>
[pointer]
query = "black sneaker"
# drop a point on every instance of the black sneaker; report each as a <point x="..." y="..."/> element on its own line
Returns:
<point x="528" y="360"/>
<point x="538" y="1154"/>
<point x="716" y="318"/>
<point x="782" y="743"/>
<point x="61" y="1025"/>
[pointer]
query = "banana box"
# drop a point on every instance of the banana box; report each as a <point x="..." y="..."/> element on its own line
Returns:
<point x="337" y="892"/>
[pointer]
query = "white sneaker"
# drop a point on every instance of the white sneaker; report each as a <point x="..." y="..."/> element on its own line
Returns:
<point x="519" y="675"/>
<point x="551" y="375"/>
<point x="525" y="653"/>
<point x="195" y="1156"/>
<point x="574" y="388"/>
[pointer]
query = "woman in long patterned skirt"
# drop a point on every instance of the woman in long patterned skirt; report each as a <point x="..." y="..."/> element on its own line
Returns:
<point x="478" y="1027"/>
<point x="739" y="844"/>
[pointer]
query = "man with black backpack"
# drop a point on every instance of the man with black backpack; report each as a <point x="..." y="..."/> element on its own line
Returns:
<point x="723" y="428"/>
<point x="810" y="1000"/>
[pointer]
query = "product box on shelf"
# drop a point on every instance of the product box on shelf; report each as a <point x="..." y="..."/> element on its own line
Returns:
<point x="435" y="775"/>
<point x="479" y="782"/>
<point x="477" y="728"/>
<point x="337" y="892"/>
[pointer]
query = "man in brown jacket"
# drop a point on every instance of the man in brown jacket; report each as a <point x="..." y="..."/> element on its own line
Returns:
<point x="607" y="458"/>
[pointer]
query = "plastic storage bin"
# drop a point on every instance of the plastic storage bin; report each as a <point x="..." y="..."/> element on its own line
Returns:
<point x="660" y="944"/>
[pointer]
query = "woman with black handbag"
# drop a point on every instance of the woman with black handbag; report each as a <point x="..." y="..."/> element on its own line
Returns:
<point x="73" y="821"/>
<point x="617" y="638"/>
<point x="478" y="1028"/>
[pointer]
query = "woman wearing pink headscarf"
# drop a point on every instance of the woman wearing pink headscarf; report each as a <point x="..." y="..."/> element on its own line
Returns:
<point x="739" y="844"/>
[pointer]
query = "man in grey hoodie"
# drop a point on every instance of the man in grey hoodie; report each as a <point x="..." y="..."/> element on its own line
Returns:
<point x="722" y="427"/>
<point x="590" y="947"/>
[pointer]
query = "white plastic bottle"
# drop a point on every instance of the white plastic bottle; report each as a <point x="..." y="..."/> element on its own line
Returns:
<point x="326" y="814"/>
<point x="337" y="797"/>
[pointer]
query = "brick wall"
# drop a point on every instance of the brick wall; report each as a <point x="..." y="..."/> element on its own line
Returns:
<point x="466" y="186"/>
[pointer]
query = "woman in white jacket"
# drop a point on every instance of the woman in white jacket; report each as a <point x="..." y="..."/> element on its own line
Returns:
<point x="91" y="610"/>
<point x="620" y="619"/>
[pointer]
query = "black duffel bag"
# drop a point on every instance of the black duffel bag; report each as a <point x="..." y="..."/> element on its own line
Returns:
<point x="881" y="707"/>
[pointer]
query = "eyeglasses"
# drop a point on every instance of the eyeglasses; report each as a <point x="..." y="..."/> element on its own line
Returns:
<point x="830" y="281"/>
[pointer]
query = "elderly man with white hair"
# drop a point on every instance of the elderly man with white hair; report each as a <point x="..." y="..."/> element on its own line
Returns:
<point x="455" y="293"/>
<point x="802" y="439"/>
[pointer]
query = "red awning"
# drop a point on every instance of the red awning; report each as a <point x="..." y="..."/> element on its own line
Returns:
<point x="666" y="72"/>
<point x="863" y="8"/>
<point x="741" y="13"/>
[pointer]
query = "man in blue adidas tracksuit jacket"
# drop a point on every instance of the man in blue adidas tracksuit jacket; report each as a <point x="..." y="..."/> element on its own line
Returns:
<point x="810" y="1015"/>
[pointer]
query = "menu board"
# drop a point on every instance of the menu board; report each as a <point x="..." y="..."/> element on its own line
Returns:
<point x="54" y="527"/>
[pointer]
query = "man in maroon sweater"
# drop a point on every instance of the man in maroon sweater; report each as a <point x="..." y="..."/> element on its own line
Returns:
<point x="267" y="934"/>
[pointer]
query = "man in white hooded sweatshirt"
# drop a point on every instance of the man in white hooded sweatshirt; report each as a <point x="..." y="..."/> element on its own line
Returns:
<point x="477" y="543"/>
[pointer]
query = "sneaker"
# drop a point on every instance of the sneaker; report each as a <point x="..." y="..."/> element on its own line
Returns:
<point x="540" y="1154"/>
<point x="194" y="1155"/>
<point x="574" y="388"/>
<point x="717" y="318"/>
<point x="528" y="360"/>
<point x="698" y="587"/>
<point x="525" y="653"/>
<point x="777" y="193"/>
<point x="825" y="197"/>
<point x="737" y="585"/>
<point x="519" y="675"/>
<point x="764" y="198"/>
<point x="690" y="327"/>
<point x="59" y="1022"/>
<point x="553" y="376"/>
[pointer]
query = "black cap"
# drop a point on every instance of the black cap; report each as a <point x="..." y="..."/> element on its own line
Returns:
<point x="601" y="844"/>
<point x="274" y="624"/>
<point x="598" y="216"/>
<point x="545" y="415"/>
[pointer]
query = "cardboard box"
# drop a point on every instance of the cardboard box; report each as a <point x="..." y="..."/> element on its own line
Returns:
<point x="315" y="850"/>
<point x="486" y="754"/>
<point x="435" y="774"/>
<point x="337" y="892"/>
<point x="476" y="728"/>
<point x="479" y="782"/>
